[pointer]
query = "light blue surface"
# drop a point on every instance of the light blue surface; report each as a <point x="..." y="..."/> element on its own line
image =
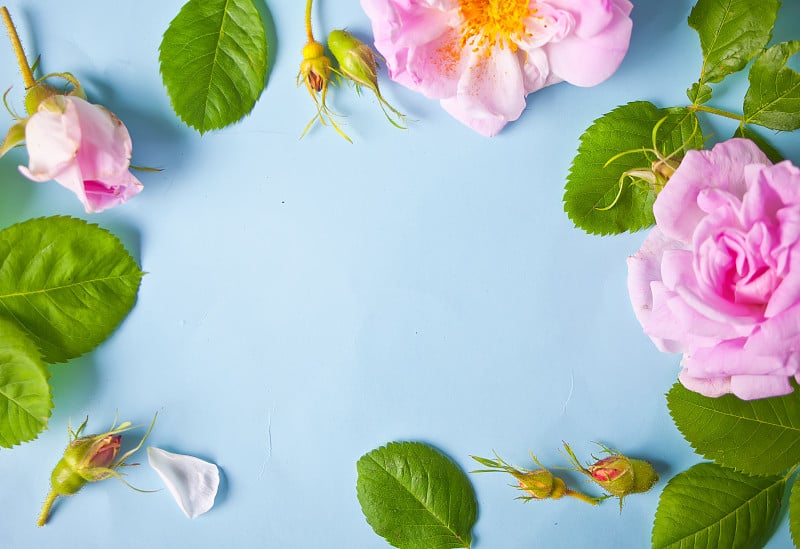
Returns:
<point x="309" y="300"/>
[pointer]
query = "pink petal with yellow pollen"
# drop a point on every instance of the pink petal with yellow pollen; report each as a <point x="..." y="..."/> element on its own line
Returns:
<point x="490" y="92"/>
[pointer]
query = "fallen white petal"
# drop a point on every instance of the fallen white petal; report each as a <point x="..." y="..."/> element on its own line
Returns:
<point x="192" y="481"/>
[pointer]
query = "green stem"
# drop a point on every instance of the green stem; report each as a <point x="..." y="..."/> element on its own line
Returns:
<point x="22" y="61"/>
<point x="48" y="504"/>
<point x="718" y="112"/>
<point x="309" y="32"/>
<point x="583" y="497"/>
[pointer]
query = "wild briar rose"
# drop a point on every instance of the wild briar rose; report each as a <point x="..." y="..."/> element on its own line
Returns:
<point x="357" y="62"/>
<point x="83" y="147"/>
<point x="90" y="458"/>
<point x="617" y="474"/>
<point x="537" y="484"/>
<point x="482" y="58"/>
<point x="717" y="278"/>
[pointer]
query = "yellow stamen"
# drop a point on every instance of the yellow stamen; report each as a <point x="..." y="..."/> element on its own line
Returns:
<point x="489" y="23"/>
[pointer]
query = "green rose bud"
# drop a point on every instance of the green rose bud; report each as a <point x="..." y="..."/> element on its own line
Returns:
<point x="358" y="63"/>
<point x="88" y="459"/>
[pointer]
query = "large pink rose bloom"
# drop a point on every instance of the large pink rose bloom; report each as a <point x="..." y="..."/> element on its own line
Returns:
<point x="718" y="278"/>
<point x="83" y="147"/>
<point x="481" y="58"/>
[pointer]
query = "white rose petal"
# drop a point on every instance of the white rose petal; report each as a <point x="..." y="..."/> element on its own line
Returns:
<point x="192" y="481"/>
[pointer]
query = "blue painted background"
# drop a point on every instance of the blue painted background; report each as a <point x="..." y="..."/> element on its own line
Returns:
<point x="309" y="300"/>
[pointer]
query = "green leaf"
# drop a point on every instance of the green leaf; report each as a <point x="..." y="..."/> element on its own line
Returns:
<point x="708" y="506"/>
<point x="214" y="62"/>
<point x="598" y="197"/>
<point x="699" y="93"/>
<point x="772" y="153"/>
<point x="14" y="137"/>
<point x="794" y="513"/>
<point x="773" y="98"/>
<point x="67" y="283"/>
<point x="731" y="33"/>
<point x="25" y="401"/>
<point x="415" y="497"/>
<point x="760" y="437"/>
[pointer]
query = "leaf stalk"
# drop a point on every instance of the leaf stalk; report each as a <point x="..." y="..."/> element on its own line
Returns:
<point x="718" y="112"/>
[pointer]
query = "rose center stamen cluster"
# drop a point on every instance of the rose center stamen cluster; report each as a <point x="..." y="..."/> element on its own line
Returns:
<point x="496" y="22"/>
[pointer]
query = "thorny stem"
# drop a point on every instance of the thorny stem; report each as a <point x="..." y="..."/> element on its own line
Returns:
<point x="48" y="504"/>
<point x="309" y="32"/>
<point x="718" y="112"/>
<point x="22" y="61"/>
<point x="583" y="497"/>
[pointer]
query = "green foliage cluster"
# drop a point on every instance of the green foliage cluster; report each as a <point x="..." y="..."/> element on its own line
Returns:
<point x="608" y="192"/>
<point x="734" y="501"/>
<point x="65" y="285"/>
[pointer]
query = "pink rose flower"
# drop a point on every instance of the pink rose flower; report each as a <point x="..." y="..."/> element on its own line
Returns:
<point x="718" y="278"/>
<point x="83" y="147"/>
<point x="481" y="58"/>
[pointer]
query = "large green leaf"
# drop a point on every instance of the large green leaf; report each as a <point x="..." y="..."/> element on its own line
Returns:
<point x="710" y="507"/>
<point x="25" y="401"/>
<point x="415" y="497"/>
<point x="596" y="181"/>
<point x="67" y="283"/>
<point x="794" y="513"/>
<point x="214" y="62"/>
<point x="759" y="437"/>
<point x="731" y="33"/>
<point x="773" y="99"/>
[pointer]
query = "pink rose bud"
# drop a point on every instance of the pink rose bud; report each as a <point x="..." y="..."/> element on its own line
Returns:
<point x="87" y="459"/>
<point x="537" y="483"/>
<point x="617" y="474"/>
<point x="82" y="146"/>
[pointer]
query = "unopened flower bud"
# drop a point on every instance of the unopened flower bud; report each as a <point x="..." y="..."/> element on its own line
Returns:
<point x="617" y="474"/>
<point x="537" y="483"/>
<point x="359" y="63"/>
<point x="87" y="459"/>
<point x="315" y="72"/>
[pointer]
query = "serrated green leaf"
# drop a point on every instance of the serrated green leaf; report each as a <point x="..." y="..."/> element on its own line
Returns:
<point x="760" y="437"/>
<point x="699" y="93"/>
<point x="67" y="283"/>
<point x="731" y="33"/>
<point x="214" y="62"/>
<point x="794" y="513"/>
<point x="709" y="507"/>
<point x="25" y="401"/>
<point x="415" y="497"/>
<point x="592" y="186"/>
<point x="773" y="98"/>
<point x="772" y="153"/>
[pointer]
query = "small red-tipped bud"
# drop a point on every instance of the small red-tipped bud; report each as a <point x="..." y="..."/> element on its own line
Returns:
<point x="617" y="474"/>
